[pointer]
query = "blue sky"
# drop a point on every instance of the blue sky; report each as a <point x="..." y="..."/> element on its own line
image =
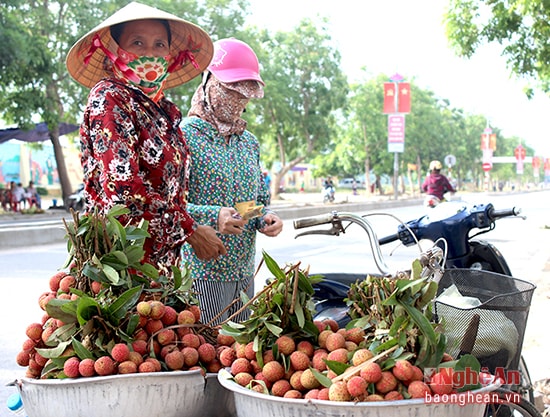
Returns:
<point x="408" y="37"/>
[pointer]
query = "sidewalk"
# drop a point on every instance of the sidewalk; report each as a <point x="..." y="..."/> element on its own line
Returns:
<point x="17" y="229"/>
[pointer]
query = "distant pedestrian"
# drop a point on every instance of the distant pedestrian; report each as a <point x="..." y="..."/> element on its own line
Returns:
<point x="354" y="186"/>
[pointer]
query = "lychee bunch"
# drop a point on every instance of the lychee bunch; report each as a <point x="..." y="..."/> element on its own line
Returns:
<point x="302" y="369"/>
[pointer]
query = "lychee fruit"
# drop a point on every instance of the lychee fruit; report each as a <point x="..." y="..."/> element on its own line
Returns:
<point x="243" y="378"/>
<point x="34" y="331"/>
<point x="157" y="310"/>
<point x="308" y="380"/>
<point x="55" y="279"/>
<point x="338" y="391"/>
<point x="224" y="340"/>
<point x="144" y="308"/>
<point x="333" y="324"/>
<point x="174" y="360"/>
<point x="170" y="316"/>
<point x="299" y="360"/>
<point x="66" y="283"/>
<point x="190" y="356"/>
<point x="127" y="367"/>
<point x="273" y="371"/>
<point x="335" y="341"/>
<point x="120" y="352"/>
<point x="186" y="317"/>
<point x="418" y="389"/>
<point x="166" y="336"/>
<point x="338" y="355"/>
<point x="86" y="367"/>
<point x="387" y="383"/>
<point x="285" y="344"/>
<point x="442" y="382"/>
<point x="280" y="388"/>
<point x="306" y="347"/>
<point x="402" y="370"/>
<point x="240" y="365"/>
<point x="371" y="372"/>
<point x="393" y="396"/>
<point x="356" y="386"/>
<point x="293" y="394"/>
<point x="318" y="360"/>
<point x="361" y="356"/>
<point x="70" y="367"/>
<point x="207" y="353"/>
<point x="227" y="356"/>
<point x="104" y="366"/>
<point x="191" y="340"/>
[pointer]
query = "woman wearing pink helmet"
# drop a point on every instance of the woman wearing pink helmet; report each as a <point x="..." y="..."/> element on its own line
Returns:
<point x="225" y="171"/>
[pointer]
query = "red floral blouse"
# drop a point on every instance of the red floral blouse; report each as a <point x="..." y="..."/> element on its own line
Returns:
<point x="133" y="153"/>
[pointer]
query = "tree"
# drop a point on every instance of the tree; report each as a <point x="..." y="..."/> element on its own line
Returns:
<point x="520" y="27"/>
<point x="305" y="87"/>
<point x="36" y="37"/>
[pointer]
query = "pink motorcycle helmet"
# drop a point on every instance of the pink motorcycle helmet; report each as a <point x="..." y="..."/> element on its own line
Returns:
<point x="234" y="61"/>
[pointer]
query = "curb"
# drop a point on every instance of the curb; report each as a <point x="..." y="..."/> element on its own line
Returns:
<point x="49" y="227"/>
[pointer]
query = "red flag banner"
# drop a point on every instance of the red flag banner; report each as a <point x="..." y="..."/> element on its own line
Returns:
<point x="404" y="98"/>
<point x="389" y="98"/>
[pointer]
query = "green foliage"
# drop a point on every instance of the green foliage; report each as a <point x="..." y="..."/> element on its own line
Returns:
<point x="521" y="29"/>
<point x="283" y="307"/>
<point x="102" y="250"/>
<point x="397" y="311"/>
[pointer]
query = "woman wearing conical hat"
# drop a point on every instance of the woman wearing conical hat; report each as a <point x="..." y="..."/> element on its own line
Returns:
<point x="133" y="151"/>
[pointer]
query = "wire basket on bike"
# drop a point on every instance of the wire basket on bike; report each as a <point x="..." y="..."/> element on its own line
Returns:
<point x="485" y="314"/>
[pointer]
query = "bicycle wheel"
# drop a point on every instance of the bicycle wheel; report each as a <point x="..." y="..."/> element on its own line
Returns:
<point x="510" y="404"/>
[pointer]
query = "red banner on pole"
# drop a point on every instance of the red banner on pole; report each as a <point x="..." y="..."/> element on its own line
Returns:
<point x="404" y="98"/>
<point x="389" y="98"/>
<point x="397" y="98"/>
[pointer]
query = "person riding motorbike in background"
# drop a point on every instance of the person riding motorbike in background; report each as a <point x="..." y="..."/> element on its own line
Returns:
<point x="437" y="184"/>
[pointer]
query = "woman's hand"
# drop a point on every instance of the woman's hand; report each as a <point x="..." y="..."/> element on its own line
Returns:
<point x="206" y="243"/>
<point x="273" y="226"/>
<point x="230" y="222"/>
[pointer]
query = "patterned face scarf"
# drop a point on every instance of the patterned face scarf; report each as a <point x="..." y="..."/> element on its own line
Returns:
<point x="220" y="106"/>
<point x="147" y="72"/>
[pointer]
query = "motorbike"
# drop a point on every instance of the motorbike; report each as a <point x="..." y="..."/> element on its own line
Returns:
<point x="453" y="228"/>
<point x="328" y="194"/>
<point x="76" y="200"/>
<point x="447" y="225"/>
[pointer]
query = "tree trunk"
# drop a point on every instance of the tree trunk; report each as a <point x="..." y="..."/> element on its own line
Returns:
<point x="66" y="189"/>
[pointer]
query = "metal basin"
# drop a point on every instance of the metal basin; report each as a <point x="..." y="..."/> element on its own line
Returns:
<point x="249" y="403"/>
<point x="158" y="394"/>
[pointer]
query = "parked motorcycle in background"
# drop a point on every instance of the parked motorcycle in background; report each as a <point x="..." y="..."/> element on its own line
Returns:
<point x="328" y="191"/>
<point x="76" y="199"/>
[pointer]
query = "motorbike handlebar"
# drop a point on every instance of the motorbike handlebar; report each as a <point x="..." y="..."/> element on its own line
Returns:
<point x="497" y="214"/>
<point x="314" y="221"/>
<point x="335" y="219"/>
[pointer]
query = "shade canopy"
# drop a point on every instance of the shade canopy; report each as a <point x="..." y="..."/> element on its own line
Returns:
<point x="39" y="134"/>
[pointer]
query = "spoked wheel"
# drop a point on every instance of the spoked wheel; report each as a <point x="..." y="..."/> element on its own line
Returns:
<point x="510" y="404"/>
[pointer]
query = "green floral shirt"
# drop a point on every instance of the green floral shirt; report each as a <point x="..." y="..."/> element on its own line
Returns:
<point x="221" y="175"/>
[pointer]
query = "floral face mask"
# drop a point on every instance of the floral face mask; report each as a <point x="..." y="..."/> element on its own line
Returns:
<point x="146" y="72"/>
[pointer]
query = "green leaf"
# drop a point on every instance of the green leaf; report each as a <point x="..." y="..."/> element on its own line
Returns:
<point x="324" y="380"/>
<point x="337" y="367"/>
<point x="134" y="254"/>
<point x="149" y="270"/>
<point x="304" y="284"/>
<point x="299" y="315"/>
<point x="54" y="308"/>
<point x="273" y="267"/>
<point x="178" y="280"/>
<point x="111" y="274"/>
<point x="80" y="350"/>
<point x="468" y="364"/>
<point x="124" y="303"/>
<point x="54" y="352"/>
<point x="276" y="330"/>
<point x="422" y="322"/>
<point x="87" y="308"/>
<point x="118" y="210"/>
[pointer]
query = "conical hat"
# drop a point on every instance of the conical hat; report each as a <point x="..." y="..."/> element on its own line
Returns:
<point x="185" y="36"/>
